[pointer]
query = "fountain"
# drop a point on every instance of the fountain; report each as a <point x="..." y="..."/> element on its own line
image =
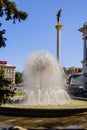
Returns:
<point x="46" y="93"/>
<point x="44" y="81"/>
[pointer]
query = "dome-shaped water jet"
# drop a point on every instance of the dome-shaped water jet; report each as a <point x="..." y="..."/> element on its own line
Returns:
<point x="44" y="81"/>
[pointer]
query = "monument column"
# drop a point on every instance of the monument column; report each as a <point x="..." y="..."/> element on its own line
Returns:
<point x="58" y="28"/>
<point x="84" y="62"/>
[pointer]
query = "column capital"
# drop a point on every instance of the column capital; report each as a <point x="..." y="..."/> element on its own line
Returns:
<point x="58" y="26"/>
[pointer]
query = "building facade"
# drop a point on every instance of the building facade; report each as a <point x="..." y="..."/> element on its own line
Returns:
<point x="84" y="62"/>
<point x="9" y="71"/>
<point x="73" y="70"/>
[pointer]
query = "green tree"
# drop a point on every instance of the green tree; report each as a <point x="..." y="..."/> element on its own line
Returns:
<point x="9" y="11"/>
<point x="5" y="92"/>
<point x="18" y="78"/>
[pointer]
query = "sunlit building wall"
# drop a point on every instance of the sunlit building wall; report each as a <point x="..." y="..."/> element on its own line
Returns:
<point x="9" y="71"/>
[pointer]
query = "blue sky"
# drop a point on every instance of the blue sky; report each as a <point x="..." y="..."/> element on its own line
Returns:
<point x="38" y="31"/>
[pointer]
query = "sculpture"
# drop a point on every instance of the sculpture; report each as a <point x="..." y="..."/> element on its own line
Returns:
<point x="58" y="15"/>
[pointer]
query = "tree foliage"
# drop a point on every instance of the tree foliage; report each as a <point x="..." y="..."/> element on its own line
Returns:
<point x="5" y="92"/>
<point x="10" y="11"/>
<point x="18" y="78"/>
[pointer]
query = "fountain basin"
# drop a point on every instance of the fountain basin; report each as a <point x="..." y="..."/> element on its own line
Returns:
<point x="77" y="106"/>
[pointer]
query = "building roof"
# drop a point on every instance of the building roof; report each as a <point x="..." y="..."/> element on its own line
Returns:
<point x="7" y="65"/>
<point x="84" y="28"/>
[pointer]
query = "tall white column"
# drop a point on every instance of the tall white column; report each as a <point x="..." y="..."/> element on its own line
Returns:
<point x="58" y="27"/>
